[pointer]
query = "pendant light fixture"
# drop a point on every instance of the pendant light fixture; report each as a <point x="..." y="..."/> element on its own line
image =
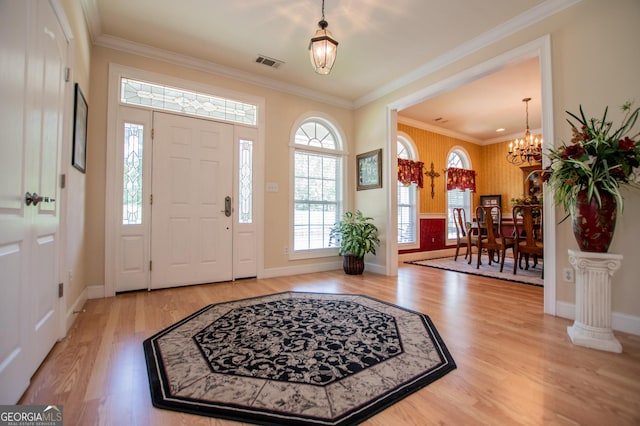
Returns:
<point x="323" y="48"/>
<point x="528" y="149"/>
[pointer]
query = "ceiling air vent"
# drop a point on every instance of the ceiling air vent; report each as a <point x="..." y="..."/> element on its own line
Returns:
<point x="270" y="62"/>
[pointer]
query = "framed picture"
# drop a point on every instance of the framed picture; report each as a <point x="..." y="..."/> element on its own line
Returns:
<point x="80" y="112"/>
<point x="369" y="169"/>
<point x="491" y="201"/>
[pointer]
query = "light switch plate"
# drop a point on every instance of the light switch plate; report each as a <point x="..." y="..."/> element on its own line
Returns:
<point x="272" y="187"/>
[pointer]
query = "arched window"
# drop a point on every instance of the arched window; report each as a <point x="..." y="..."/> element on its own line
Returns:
<point x="317" y="185"/>
<point x="408" y="230"/>
<point x="456" y="198"/>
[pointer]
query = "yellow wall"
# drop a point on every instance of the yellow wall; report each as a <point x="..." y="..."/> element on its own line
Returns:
<point x="498" y="176"/>
<point x="495" y="175"/>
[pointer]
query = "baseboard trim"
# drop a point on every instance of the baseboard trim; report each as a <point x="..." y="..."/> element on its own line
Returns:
<point x="433" y="254"/>
<point x="95" y="292"/>
<point x="73" y="311"/>
<point x="620" y="322"/>
<point x="301" y="269"/>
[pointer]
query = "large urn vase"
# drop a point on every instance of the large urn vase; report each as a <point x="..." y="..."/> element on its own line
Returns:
<point x="593" y="225"/>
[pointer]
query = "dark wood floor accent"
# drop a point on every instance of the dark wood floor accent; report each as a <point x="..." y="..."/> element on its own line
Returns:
<point x="515" y="364"/>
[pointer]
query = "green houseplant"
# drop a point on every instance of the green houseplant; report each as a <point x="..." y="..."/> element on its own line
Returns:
<point x="586" y="175"/>
<point x="356" y="236"/>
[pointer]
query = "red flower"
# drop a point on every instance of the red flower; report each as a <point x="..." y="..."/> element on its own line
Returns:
<point x="627" y="144"/>
<point x="618" y="173"/>
<point x="573" y="152"/>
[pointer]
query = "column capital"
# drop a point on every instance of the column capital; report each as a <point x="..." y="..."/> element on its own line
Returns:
<point x="589" y="260"/>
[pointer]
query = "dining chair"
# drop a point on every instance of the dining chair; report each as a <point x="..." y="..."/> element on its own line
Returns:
<point x="492" y="238"/>
<point x="463" y="233"/>
<point x="528" y="234"/>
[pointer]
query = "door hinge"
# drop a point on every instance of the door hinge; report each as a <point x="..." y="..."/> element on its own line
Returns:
<point x="151" y="199"/>
<point x="151" y="265"/>
<point x="60" y="290"/>
<point x="153" y="133"/>
<point x="63" y="181"/>
<point x="67" y="74"/>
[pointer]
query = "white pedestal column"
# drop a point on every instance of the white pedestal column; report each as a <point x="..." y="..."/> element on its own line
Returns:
<point x="592" y="325"/>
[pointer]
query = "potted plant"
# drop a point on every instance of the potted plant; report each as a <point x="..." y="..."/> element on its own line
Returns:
<point x="586" y="175"/>
<point x="356" y="236"/>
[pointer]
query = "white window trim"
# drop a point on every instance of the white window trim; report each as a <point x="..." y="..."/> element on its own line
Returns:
<point x="414" y="155"/>
<point x="116" y="71"/>
<point x="339" y="151"/>
<point x="466" y="159"/>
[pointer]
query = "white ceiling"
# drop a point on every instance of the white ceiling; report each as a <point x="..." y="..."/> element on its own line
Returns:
<point x="382" y="44"/>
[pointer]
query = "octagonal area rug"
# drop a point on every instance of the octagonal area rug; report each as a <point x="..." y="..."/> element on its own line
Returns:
<point x="294" y="358"/>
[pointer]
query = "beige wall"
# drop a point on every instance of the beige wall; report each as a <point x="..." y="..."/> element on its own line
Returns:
<point x="282" y="110"/>
<point x="74" y="269"/>
<point x="594" y="63"/>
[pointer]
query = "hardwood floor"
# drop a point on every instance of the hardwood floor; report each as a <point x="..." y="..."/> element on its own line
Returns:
<point x="515" y="364"/>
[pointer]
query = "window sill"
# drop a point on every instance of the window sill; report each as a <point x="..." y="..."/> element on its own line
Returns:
<point x="313" y="253"/>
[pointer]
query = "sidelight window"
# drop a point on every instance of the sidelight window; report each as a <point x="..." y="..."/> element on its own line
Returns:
<point x="245" y="187"/>
<point x="132" y="184"/>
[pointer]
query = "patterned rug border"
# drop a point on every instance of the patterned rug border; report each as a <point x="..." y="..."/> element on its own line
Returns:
<point x="507" y="277"/>
<point x="158" y="377"/>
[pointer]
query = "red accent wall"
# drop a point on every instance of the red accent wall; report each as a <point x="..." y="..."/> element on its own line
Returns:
<point x="432" y="235"/>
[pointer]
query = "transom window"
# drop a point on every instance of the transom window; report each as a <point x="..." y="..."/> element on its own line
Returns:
<point x="318" y="176"/>
<point x="165" y="98"/>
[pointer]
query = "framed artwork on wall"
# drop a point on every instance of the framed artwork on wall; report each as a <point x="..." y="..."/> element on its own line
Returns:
<point x="369" y="169"/>
<point x="492" y="201"/>
<point x="80" y="113"/>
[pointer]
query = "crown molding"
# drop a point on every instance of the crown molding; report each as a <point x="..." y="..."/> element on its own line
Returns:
<point x="453" y="134"/>
<point x="150" y="52"/>
<point x="510" y="137"/>
<point x="92" y="18"/>
<point x="439" y="130"/>
<point x="512" y="26"/>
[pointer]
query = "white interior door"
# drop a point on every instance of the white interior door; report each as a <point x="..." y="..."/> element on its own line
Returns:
<point x="33" y="60"/>
<point x="192" y="218"/>
<point x="47" y="74"/>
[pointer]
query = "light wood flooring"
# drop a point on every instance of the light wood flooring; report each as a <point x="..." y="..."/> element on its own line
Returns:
<point x="515" y="364"/>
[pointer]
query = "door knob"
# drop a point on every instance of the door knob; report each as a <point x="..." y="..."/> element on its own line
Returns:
<point x="30" y="198"/>
<point x="34" y="199"/>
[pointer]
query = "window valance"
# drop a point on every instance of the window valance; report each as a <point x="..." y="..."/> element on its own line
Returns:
<point x="461" y="179"/>
<point x="410" y="172"/>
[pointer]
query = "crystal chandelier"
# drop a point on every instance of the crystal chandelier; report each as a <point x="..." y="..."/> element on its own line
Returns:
<point x="323" y="48"/>
<point x="528" y="149"/>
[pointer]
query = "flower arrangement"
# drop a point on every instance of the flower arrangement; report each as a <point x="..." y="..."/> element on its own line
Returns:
<point x="526" y="200"/>
<point x="598" y="159"/>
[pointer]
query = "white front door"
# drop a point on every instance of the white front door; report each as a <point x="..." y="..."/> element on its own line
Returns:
<point x="191" y="218"/>
<point x="31" y="107"/>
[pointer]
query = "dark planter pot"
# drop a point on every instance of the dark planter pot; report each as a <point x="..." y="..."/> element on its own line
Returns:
<point x="593" y="226"/>
<point x="352" y="265"/>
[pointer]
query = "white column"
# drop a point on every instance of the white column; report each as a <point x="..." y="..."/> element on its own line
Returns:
<point x="592" y="325"/>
